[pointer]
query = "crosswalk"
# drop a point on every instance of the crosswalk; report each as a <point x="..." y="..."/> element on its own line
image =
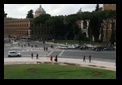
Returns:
<point x="27" y="49"/>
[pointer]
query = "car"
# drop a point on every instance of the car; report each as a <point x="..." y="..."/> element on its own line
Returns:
<point x="98" y="48"/>
<point x="109" y="48"/>
<point x="63" y="47"/>
<point x="83" y="47"/>
<point x="76" y="46"/>
<point x="70" y="46"/>
<point x="14" y="54"/>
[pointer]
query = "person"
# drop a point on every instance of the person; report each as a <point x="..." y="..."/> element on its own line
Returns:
<point x="44" y="48"/>
<point x="32" y="55"/>
<point x="37" y="57"/>
<point x="51" y="58"/>
<point x="89" y="58"/>
<point x="84" y="59"/>
<point x="115" y="62"/>
<point x="28" y="44"/>
<point x="56" y="59"/>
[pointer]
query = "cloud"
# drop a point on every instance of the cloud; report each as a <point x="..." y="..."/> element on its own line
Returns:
<point x="21" y="10"/>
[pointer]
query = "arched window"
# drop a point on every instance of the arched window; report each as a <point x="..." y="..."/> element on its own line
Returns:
<point x="84" y="24"/>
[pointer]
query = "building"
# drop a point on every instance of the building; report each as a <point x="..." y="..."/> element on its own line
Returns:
<point x="15" y="27"/>
<point x="109" y="7"/>
<point x="25" y="28"/>
<point x="40" y="32"/>
<point x="83" y="25"/>
<point x="39" y="11"/>
<point x="107" y="31"/>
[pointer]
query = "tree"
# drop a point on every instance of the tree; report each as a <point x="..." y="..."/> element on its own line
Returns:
<point x="112" y="39"/>
<point x="72" y="25"/>
<point x="42" y="18"/>
<point x="30" y="14"/>
<point x="79" y="36"/>
<point x="97" y="8"/>
<point x="95" y="25"/>
<point x="109" y="16"/>
<point x="5" y="14"/>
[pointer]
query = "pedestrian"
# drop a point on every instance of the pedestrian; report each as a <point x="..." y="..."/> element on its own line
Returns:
<point x="115" y="62"/>
<point x="32" y="55"/>
<point x="37" y="57"/>
<point x="51" y="58"/>
<point x="89" y="58"/>
<point x="84" y="59"/>
<point x="56" y="59"/>
<point x="44" y="48"/>
<point x="28" y="44"/>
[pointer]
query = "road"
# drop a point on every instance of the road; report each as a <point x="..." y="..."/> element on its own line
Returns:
<point x="26" y="51"/>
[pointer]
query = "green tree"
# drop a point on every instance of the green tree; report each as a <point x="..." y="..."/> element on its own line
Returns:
<point x="112" y="39"/>
<point x="42" y="18"/>
<point x="95" y="25"/>
<point x="72" y="26"/>
<point x="97" y="8"/>
<point x="30" y="14"/>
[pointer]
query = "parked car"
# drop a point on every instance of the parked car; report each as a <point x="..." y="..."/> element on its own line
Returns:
<point x="83" y="47"/>
<point x="99" y="48"/>
<point x="71" y="47"/>
<point x="14" y="54"/>
<point x="109" y="48"/>
<point x="76" y="45"/>
<point x="62" y="47"/>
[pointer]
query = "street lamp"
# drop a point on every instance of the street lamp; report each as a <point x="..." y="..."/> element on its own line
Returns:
<point x="65" y="23"/>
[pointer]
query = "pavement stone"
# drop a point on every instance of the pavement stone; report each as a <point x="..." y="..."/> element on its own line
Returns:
<point x="62" y="61"/>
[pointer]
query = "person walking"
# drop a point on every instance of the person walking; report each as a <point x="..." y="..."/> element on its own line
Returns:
<point x="51" y="58"/>
<point x="37" y="57"/>
<point x="44" y="48"/>
<point x="32" y="55"/>
<point x="89" y="58"/>
<point x="56" y="59"/>
<point x="84" y="59"/>
<point x="115" y="62"/>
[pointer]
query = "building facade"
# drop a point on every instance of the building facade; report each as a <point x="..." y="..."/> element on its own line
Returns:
<point x="25" y="28"/>
<point x="16" y="27"/>
<point x="39" y="11"/>
<point x="40" y="32"/>
<point x="109" y="7"/>
<point x="107" y="24"/>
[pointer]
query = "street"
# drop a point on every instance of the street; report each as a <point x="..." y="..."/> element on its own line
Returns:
<point x="70" y="53"/>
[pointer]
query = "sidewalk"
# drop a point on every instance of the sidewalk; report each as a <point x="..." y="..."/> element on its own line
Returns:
<point x="62" y="61"/>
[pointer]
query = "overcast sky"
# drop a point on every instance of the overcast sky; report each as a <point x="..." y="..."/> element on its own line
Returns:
<point x="21" y="10"/>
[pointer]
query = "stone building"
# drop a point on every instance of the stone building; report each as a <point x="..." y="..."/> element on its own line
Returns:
<point x="84" y="24"/>
<point x="107" y="31"/>
<point x="39" y="11"/>
<point x="15" y="27"/>
<point x="40" y="32"/>
<point x="109" y="6"/>
<point x="25" y="28"/>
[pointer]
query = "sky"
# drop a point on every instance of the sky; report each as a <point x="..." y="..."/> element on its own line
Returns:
<point x="21" y="10"/>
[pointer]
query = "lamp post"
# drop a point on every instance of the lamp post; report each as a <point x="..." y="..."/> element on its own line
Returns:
<point x="65" y="23"/>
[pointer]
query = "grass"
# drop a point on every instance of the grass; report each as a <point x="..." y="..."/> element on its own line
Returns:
<point x="48" y="71"/>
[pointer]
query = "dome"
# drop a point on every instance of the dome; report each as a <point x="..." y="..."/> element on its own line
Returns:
<point x="40" y="10"/>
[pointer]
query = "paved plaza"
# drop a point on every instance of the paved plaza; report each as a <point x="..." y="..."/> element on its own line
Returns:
<point x="93" y="64"/>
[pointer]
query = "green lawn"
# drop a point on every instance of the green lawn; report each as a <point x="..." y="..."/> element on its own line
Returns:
<point x="48" y="71"/>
